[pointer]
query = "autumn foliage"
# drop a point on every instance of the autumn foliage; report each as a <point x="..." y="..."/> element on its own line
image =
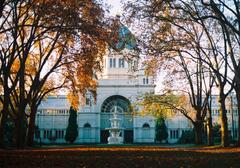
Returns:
<point x="47" y="45"/>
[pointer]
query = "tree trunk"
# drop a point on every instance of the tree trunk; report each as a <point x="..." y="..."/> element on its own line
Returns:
<point x="198" y="125"/>
<point x="20" y="122"/>
<point x="3" y="120"/>
<point x="224" y="122"/>
<point x="4" y="115"/>
<point x="20" y="131"/>
<point x="210" y="130"/>
<point x="31" y="127"/>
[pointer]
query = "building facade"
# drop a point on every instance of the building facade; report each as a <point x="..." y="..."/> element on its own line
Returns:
<point x="118" y="86"/>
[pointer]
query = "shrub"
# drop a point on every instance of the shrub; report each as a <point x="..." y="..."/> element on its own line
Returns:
<point x="187" y="137"/>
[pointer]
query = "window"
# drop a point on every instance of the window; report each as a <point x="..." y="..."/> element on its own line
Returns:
<point x="146" y="125"/>
<point x="88" y="101"/>
<point x="121" y="63"/>
<point x="145" y="80"/>
<point x="47" y="134"/>
<point x="59" y="134"/>
<point x="87" y="125"/>
<point x="174" y="134"/>
<point x="111" y="63"/>
<point x="114" y="62"/>
<point x="87" y="131"/>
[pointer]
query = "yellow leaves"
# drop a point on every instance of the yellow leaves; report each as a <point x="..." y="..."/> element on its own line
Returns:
<point x="166" y="12"/>
<point x="15" y="66"/>
<point x="163" y="106"/>
<point x="151" y="66"/>
<point x="31" y="64"/>
<point x="73" y="98"/>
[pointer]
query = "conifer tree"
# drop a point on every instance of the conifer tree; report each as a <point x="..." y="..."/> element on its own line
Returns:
<point x="161" y="130"/>
<point x="72" y="128"/>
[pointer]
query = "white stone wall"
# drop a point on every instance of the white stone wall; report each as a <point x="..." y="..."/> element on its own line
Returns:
<point x="144" y="134"/>
<point x="91" y="134"/>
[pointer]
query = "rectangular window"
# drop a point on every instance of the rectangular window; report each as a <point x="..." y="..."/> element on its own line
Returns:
<point x="174" y="134"/>
<point x="59" y="134"/>
<point x="171" y="134"/>
<point x="121" y="63"/>
<point x="114" y="62"/>
<point x="144" y="81"/>
<point x="111" y="63"/>
<point x="88" y="103"/>
<point x="147" y="80"/>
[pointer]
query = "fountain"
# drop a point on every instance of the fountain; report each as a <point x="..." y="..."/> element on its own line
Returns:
<point x="115" y="130"/>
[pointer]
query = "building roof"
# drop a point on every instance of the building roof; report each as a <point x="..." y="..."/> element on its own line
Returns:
<point x="55" y="102"/>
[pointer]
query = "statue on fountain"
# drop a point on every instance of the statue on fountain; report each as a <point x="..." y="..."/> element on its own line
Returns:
<point x="115" y="130"/>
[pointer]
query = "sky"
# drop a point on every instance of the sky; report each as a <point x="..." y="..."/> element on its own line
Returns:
<point x="115" y="6"/>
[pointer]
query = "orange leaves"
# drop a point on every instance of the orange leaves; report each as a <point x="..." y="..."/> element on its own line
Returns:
<point x="63" y="38"/>
<point x="74" y="99"/>
<point x="15" y="66"/>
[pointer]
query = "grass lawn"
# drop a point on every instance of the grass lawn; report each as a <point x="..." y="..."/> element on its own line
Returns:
<point x="121" y="157"/>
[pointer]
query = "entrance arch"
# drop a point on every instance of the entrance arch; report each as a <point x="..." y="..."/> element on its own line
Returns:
<point x="123" y="107"/>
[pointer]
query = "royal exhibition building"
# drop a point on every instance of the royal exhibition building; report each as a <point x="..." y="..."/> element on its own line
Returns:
<point x="118" y="88"/>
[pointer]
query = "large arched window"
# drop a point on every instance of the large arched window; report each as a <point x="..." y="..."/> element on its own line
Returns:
<point x="121" y="103"/>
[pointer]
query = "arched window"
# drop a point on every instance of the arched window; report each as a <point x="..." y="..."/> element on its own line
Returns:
<point x="122" y="103"/>
<point x="146" y="125"/>
<point x="87" y="125"/>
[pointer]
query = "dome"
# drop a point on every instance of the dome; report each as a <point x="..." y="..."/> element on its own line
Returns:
<point x="125" y="39"/>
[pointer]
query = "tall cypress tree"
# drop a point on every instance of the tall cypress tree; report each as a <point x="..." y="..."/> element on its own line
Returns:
<point x="161" y="130"/>
<point x="72" y="128"/>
